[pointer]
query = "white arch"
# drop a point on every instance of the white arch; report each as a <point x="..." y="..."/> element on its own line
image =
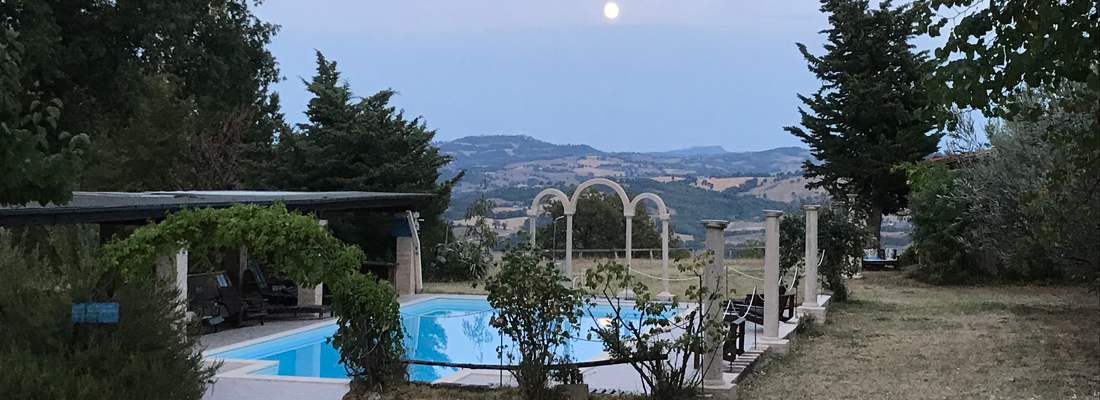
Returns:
<point x="627" y="210"/>
<point x="533" y="212"/>
<point x="569" y="206"/>
<point x="662" y="211"/>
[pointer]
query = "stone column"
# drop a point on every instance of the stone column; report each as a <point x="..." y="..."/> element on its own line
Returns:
<point x="312" y="296"/>
<point x="173" y="269"/>
<point x="665" y="295"/>
<point x="629" y="244"/>
<point x="716" y="243"/>
<point x="405" y="273"/>
<point x="809" y="302"/>
<point x="771" y="338"/>
<point x="569" y="246"/>
<point x="628" y="293"/>
<point x="532" y="215"/>
<point x="235" y="264"/>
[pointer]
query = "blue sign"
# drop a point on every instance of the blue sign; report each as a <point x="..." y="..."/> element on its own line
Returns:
<point x="95" y="313"/>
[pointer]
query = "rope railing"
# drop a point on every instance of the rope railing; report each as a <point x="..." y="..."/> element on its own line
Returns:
<point x="404" y="314"/>
<point x="585" y="364"/>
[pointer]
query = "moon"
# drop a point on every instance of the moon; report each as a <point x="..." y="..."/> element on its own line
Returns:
<point x="611" y="10"/>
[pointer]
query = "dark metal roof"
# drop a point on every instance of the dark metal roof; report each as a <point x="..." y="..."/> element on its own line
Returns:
<point x="127" y="207"/>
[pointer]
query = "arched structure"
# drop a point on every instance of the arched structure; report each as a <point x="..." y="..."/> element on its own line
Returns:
<point x="533" y="212"/>
<point x="569" y="206"/>
<point x="662" y="214"/>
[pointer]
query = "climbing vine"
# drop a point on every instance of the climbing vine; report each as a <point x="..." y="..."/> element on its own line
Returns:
<point x="294" y="243"/>
<point x="369" y="334"/>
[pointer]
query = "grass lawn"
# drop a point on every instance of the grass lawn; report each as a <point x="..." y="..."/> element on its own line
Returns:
<point x="741" y="284"/>
<point x="900" y="339"/>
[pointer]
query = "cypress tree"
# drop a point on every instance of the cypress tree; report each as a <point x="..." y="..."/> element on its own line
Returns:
<point x="873" y="110"/>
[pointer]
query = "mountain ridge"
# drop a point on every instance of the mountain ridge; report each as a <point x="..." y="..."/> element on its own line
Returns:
<point x="510" y="160"/>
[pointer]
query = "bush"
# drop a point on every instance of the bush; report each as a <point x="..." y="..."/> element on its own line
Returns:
<point x="146" y="355"/>
<point x="646" y="338"/>
<point x="945" y="246"/>
<point x="370" y="335"/>
<point x="469" y="257"/>
<point x="538" y="314"/>
<point x="841" y="239"/>
<point x="1035" y="230"/>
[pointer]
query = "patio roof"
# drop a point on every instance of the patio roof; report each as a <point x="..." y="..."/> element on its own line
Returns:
<point x="139" y="207"/>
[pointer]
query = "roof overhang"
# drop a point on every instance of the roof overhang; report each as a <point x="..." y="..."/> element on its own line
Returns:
<point x="141" y="207"/>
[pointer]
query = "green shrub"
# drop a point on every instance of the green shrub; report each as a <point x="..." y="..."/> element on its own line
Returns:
<point x="370" y="335"/>
<point x="642" y="340"/>
<point x="146" y="355"/>
<point x="469" y="257"/>
<point x="538" y="313"/>
<point x="945" y="247"/>
<point x="841" y="239"/>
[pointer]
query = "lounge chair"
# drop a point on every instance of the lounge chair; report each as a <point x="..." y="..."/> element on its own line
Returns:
<point x="237" y="308"/>
<point x="204" y="302"/>
<point x="277" y="292"/>
<point x="280" y="295"/>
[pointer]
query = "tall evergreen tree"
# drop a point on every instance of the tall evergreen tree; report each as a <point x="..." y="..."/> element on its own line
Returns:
<point x="873" y="111"/>
<point x="362" y="144"/>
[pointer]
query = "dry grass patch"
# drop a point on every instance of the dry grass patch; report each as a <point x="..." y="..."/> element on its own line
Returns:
<point x="904" y="340"/>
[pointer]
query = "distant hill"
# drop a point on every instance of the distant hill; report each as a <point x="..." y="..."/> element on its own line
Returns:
<point x="695" y="151"/>
<point x="696" y="183"/>
<point x="511" y="161"/>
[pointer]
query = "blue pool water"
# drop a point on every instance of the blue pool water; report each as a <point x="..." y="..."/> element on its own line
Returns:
<point x="441" y="329"/>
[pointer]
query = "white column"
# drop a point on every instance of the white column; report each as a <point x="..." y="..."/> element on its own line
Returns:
<point x="716" y="243"/>
<point x="569" y="246"/>
<point x="532" y="215"/>
<point x="405" y="279"/>
<point x="173" y="269"/>
<point x="665" y="295"/>
<point x="771" y="337"/>
<point x="312" y="296"/>
<point x="629" y="244"/>
<point x="809" y="302"/>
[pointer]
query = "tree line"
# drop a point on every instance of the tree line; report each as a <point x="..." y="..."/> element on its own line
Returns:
<point x="1024" y="208"/>
<point x="176" y="95"/>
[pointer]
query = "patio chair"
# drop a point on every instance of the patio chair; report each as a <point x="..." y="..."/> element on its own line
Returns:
<point x="203" y="301"/>
<point x="237" y="308"/>
<point x="277" y="292"/>
<point x="734" y="345"/>
<point x="752" y="306"/>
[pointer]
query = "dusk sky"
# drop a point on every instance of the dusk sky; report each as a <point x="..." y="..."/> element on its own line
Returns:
<point x="662" y="75"/>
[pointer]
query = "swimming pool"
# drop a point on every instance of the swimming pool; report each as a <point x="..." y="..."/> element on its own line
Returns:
<point x="439" y="329"/>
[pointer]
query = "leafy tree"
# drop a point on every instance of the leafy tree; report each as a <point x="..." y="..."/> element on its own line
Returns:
<point x="468" y="257"/>
<point x="538" y="313"/>
<point x="362" y="144"/>
<point x="996" y="50"/>
<point x="599" y="224"/>
<point x="124" y="68"/>
<point x="642" y="336"/>
<point x="841" y="239"/>
<point x="38" y="161"/>
<point x="1034" y="236"/>
<point x="873" y="111"/>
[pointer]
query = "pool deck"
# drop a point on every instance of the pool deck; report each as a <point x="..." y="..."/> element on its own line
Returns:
<point x="233" y="380"/>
